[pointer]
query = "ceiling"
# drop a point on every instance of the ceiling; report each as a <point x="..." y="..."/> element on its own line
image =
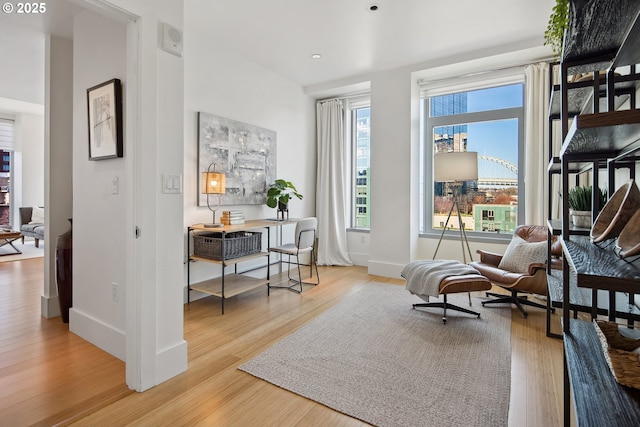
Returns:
<point x="281" y="35"/>
<point x="57" y="20"/>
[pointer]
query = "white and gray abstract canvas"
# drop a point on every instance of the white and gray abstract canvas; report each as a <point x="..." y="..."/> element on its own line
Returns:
<point x="244" y="152"/>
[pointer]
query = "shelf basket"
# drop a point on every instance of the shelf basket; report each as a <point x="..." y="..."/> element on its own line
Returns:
<point x="618" y="351"/>
<point x="236" y="244"/>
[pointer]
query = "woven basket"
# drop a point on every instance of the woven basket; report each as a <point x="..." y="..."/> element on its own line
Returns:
<point x="616" y="212"/>
<point x="618" y="351"/>
<point x="237" y="244"/>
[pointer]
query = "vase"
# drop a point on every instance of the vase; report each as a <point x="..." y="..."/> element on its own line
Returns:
<point x="64" y="272"/>
<point x="581" y="218"/>
<point x="282" y="209"/>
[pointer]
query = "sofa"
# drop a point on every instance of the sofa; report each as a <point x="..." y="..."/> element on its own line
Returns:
<point x="32" y="223"/>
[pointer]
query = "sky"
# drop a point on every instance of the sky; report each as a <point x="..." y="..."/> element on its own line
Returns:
<point x="499" y="138"/>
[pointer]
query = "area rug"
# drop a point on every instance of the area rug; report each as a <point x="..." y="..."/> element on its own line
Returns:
<point x="29" y="250"/>
<point x="373" y="357"/>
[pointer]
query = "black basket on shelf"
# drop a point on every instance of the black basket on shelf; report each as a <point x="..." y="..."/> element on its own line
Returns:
<point x="236" y="244"/>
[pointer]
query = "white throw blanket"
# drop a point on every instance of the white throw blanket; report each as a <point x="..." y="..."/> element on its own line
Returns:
<point x="424" y="277"/>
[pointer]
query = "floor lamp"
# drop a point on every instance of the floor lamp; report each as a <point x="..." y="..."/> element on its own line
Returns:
<point x="456" y="167"/>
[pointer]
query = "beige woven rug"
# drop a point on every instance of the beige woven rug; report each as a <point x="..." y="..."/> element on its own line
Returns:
<point x="374" y="358"/>
<point x="29" y="250"/>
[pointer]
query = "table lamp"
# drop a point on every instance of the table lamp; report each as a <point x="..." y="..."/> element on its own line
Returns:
<point x="213" y="183"/>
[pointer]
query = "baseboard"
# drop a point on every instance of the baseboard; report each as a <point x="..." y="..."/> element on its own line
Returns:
<point x="171" y="362"/>
<point x="361" y="259"/>
<point x="49" y="307"/>
<point x="385" y="269"/>
<point x="104" y="336"/>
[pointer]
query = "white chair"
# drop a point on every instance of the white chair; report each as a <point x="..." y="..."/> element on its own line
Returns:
<point x="305" y="237"/>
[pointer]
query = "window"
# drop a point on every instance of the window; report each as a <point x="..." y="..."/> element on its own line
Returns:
<point x="488" y="215"/>
<point x="6" y="150"/>
<point x="487" y="120"/>
<point x="361" y="175"/>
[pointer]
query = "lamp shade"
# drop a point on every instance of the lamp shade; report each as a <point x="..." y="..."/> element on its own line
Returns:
<point x="213" y="183"/>
<point x="455" y="166"/>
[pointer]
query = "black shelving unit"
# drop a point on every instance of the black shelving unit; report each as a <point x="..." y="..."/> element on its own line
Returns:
<point x="596" y="133"/>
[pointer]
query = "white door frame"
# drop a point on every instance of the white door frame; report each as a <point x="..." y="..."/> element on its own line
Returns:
<point x="135" y="356"/>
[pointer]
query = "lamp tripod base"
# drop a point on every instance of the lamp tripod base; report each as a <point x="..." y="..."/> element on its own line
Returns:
<point x="463" y="234"/>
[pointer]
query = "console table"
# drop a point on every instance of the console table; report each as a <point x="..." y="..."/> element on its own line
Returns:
<point x="228" y="285"/>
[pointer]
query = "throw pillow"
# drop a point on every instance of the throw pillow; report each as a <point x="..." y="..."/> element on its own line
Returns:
<point x="520" y="254"/>
<point x="37" y="216"/>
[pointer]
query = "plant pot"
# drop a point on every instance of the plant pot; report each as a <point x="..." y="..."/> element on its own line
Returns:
<point x="282" y="208"/>
<point x="581" y="218"/>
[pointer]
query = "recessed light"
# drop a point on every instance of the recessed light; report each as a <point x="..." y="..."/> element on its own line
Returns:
<point x="374" y="7"/>
<point x="316" y="56"/>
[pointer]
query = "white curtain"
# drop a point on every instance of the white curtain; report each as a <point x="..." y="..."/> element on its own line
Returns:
<point x="536" y="144"/>
<point x="331" y="185"/>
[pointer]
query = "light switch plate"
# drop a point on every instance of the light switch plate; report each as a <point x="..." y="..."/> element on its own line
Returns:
<point x="172" y="184"/>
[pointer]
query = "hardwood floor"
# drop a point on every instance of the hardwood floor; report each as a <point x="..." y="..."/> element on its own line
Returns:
<point x="49" y="376"/>
<point x="46" y="373"/>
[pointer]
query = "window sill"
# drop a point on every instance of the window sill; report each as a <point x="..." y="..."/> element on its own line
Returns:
<point x="472" y="237"/>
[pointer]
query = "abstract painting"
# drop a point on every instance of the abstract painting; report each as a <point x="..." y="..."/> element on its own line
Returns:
<point x="245" y="153"/>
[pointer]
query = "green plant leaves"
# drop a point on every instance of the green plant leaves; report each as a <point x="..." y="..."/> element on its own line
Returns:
<point x="281" y="191"/>
<point x="558" y="22"/>
<point x="580" y="198"/>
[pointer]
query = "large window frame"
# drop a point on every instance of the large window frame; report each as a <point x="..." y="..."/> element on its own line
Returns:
<point x="428" y="124"/>
<point x="7" y="142"/>
<point x="360" y="194"/>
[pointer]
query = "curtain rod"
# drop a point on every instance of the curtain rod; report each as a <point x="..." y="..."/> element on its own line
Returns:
<point x="347" y="96"/>
<point x="423" y="82"/>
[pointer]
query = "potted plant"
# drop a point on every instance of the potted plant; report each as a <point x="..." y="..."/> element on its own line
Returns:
<point x="279" y="194"/>
<point x="580" y="204"/>
<point x="558" y="22"/>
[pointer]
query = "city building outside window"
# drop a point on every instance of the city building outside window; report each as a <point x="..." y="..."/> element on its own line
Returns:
<point x="6" y="154"/>
<point x="361" y="166"/>
<point x="486" y="120"/>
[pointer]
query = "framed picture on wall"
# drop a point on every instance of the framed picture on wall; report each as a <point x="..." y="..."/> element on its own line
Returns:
<point x="245" y="153"/>
<point x="104" y="104"/>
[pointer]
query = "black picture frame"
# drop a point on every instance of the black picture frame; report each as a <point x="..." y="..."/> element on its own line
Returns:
<point x="104" y="109"/>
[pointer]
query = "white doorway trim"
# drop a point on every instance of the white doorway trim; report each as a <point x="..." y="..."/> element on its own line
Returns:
<point x="135" y="356"/>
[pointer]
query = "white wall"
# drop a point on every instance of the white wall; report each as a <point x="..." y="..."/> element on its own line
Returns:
<point x="22" y="64"/>
<point x="391" y="172"/>
<point x="29" y="172"/>
<point x="220" y="82"/>
<point x="145" y="325"/>
<point x="22" y="97"/>
<point x="58" y="159"/>
<point x="30" y="140"/>
<point x="99" y="54"/>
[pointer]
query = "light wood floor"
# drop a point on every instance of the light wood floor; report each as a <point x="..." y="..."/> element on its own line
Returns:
<point x="49" y="376"/>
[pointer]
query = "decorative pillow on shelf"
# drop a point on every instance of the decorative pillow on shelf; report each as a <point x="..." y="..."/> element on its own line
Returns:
<point x="37" y="216"/>
<point x="520" y="254"/>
